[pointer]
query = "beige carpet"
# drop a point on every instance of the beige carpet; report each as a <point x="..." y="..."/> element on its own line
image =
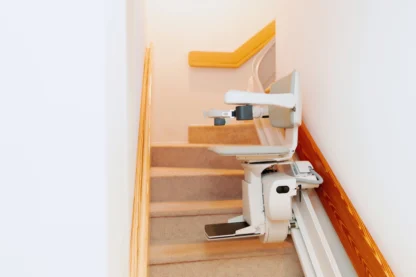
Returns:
<point x="270" y="266"/>
<point x="240" y="132"/>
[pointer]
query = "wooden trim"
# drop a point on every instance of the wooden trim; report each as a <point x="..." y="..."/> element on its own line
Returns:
<point x="238" y="57"/>
<point x="357" y="241"/>
<point x="139" y="240"/>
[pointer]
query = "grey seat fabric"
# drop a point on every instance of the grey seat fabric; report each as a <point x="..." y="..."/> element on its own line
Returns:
<point x="249" y="150"/>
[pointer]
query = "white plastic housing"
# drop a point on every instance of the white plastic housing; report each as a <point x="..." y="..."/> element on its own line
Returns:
<point x="278" y="206"/>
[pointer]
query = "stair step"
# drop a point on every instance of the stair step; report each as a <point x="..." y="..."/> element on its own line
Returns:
<point x="190" y="184"/>
<point x="189" y="171"/>
<point x="165" y="253"/>
<point x="236" y="133"/>
<point x="184" y="228"/>
<point x="283" y="265"/>
<point x="167" y="209"/>
<point x="190" y="155"/>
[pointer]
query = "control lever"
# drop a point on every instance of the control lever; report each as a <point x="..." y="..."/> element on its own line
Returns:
<point x="246" y="112"/>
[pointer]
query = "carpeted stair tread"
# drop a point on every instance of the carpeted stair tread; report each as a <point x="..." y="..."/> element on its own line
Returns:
<point x="174" y="172"/>
<point x="234" y="133"/>
<point x="184" y="228"/>
<point x="193" y="184"/>
<point x="282" y="265"/>
<point x="191" y="156"/>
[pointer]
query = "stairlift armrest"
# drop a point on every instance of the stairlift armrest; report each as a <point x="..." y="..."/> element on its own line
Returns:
<point x="236" y="97"/>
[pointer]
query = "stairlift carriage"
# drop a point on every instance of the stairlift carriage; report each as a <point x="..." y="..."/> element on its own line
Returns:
<point x="271" y="179"/>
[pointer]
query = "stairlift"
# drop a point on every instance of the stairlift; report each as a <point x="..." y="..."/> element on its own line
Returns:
<point x="278" y="191"/>
<point x="271" y="178"/>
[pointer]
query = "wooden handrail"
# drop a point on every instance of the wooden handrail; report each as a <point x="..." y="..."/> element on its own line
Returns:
<point x="238" y="57"/>
<point x="139" y="240"/>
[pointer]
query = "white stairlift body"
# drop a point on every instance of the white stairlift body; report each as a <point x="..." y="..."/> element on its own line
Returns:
<point x="271" y="180"/>
<point x="278" y="196"/>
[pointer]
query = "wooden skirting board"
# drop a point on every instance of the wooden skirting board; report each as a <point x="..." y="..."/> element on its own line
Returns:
<point x="238" y="57"/>
<point x="357" y="241"/>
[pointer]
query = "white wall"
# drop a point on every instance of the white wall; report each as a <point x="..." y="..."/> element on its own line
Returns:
<point x="66" y="137"/>
<point x="181" y="93"/>
<point x="356" y="61"/>
<point x="125" y="45"/>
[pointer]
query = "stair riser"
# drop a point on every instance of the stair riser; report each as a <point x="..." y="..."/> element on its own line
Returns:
<point x="186" y="228"/>
<point x="195" y="208"/>
<point x="172" y="252"/>
<point x="193" y="157"/>
<point x="196" y="188"/>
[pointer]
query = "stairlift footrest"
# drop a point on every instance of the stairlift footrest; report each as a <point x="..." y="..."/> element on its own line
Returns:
<point x="228" y="231"/>
<point x="247" y="230"/>
<point x="239" y="218"/>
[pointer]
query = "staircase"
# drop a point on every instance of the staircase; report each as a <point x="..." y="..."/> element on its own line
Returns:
<point x="191" y="187"/>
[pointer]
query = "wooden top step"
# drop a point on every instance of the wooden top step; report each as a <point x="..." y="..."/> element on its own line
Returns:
<point x="166" y="253"/>
<point x="191" y="208"/>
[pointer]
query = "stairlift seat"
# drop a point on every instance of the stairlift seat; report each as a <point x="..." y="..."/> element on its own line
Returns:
<point x="284" y="109"/>
<point x="251" y="150"/>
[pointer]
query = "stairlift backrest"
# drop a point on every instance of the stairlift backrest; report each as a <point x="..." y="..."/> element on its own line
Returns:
<point x="282" y="123"/>
<point x="283" y="117"/>
<point x="283" y="113"/>
<point x="262" y="76"/>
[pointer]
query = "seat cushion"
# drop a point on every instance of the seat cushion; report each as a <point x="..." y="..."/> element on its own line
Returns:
<point x="249" y="150"/>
